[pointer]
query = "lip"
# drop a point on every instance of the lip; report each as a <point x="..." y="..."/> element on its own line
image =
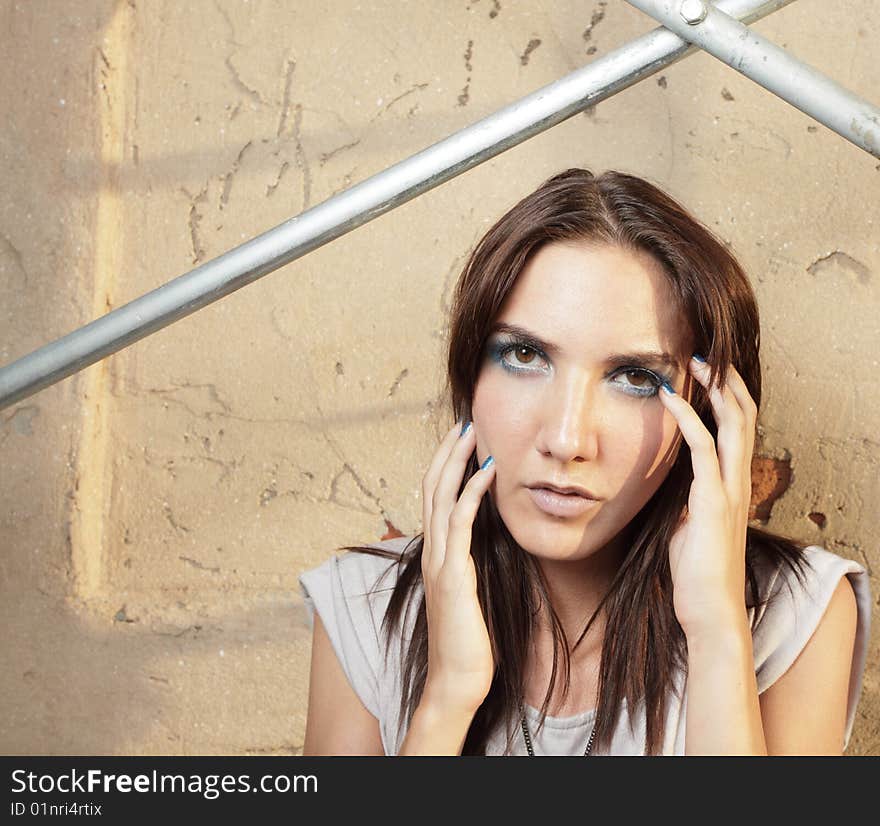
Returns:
<point x="580" y="491"/>
<point x="561" y="504"/>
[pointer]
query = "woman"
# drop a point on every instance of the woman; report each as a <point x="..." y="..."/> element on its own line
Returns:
<point x="604" y="341"/>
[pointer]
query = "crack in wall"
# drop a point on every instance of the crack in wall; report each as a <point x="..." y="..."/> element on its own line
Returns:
<point x="845" y="262"/>
<point x="227" y="467"/>
<point x="597" y="17"/>
<point x="169" y="515"/>
<point x="285" y="101"/>
<point x="8" y="248"/>
<point x="196" y="564"/>
<point x="402" y="375"/>
<point x="346" y="468"/>
<point x="300" y="156"/>
<point x="195" y="217"/>
<point x="21" y="421"/>
<point x="212" y="394"/>
<point x="103" y="76"/>
<point x="327" y="155"/>
<point x="270" y="190"/>
<point x="133" y="389"/>
<point x="253" y="94"/>
<point x="465" y="95"/>
<point x="532" y="45"/>
<point x="230" y="40"/>
<point x="273" y="320"/>
<point x="417" y="87"/>
<point x="189" y="629"/>
<point x="229" y="176"/>
<point x="334" y="492"/>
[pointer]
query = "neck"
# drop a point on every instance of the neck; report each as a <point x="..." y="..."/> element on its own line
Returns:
<point x="575" y="588"/>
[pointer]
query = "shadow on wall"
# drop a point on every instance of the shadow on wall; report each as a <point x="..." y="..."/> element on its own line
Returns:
<point x="140" y="686"/>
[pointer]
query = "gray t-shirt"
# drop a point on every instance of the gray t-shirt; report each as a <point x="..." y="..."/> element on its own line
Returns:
<point x="338" y="590"/>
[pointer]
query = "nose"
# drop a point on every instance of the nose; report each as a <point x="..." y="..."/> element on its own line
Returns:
<point x="569" y="426"/>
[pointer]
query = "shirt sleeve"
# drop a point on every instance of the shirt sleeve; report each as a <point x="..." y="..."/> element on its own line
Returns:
<point x="338" y="590"/>
<point x="793" y="614"/>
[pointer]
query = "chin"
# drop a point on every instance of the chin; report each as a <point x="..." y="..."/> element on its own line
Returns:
<point x="549" y="537"/>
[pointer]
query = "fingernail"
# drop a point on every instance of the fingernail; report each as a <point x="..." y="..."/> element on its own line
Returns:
<point x="699" y="358"/>
<point x="668" y="388"/>
<point x="489" y="461"/>
<point x="464" y="429"/>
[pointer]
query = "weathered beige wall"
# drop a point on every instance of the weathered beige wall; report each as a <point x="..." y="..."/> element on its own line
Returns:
<point x="156" y="508"/>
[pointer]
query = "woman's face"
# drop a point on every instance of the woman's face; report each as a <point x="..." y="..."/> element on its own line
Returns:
<point x="578" y="406"/>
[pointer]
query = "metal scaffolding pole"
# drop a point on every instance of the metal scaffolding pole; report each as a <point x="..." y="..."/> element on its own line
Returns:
<point x="347" y="210"/>
<point x="805" y="88"/>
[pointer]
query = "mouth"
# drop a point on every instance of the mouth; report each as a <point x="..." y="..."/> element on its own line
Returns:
<point x="562" y="505"/>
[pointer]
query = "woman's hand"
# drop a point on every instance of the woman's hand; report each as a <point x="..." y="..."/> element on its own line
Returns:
<point x="460" y="662"/>
<point x="707" y="550"/>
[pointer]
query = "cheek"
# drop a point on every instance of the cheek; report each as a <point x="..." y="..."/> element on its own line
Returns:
<point x="661" y="440"/>
<point x="504" y="422"/>
<point x="491" y="412"/>
<point x="642" y="441"/>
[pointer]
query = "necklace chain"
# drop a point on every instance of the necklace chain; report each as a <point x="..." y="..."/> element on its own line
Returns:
<point x="528" y="739"/>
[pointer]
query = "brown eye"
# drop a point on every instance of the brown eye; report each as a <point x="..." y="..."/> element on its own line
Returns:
<point x="638" y="379"/>
<point x="527" y="351"/>
<point x="638" y="382"/>
<point x="518" y="358"/>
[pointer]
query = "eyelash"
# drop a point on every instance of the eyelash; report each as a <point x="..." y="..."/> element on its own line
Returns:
<point x="501" y="349"/>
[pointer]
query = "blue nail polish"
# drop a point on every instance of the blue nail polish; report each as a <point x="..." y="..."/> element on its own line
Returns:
<point x="668" y="388"/>
<point x="699" y="358"/>
<point x="464" y="429"/>
<point x="489" y="461"/>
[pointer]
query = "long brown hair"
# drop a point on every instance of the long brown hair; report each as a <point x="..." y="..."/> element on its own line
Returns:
<point x="643" y="645"/>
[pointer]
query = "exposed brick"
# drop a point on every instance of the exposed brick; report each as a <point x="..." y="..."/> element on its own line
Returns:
<point x="770" y="479"/>
<point x="392" y="532"/>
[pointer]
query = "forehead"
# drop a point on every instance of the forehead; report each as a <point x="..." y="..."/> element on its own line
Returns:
<point x="588" y="297"/>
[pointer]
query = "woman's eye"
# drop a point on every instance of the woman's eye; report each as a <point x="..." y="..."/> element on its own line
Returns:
<point x="519" y="357"/>
<point x="639" y="382"/>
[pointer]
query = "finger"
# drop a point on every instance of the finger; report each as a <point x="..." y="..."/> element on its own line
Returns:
<point x="704" y="458"/>
<point x="445" y="496"/>
<point x="741" y="392"/>
<point x="429" y="484"/>
<point x="750" y="411"/>
<point x="461" y="521"/>
<point x="731" y="423"/>
<point x="735" y="429"/>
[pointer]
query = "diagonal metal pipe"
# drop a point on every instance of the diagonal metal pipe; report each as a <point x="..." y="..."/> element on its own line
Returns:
<point x="357" y="205"/>
<point x="796" y="82"/>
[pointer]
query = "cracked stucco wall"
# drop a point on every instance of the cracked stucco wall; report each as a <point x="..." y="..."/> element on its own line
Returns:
<point x="158" y="506"/>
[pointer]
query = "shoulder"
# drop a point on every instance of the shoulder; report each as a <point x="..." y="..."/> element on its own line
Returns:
<point x="361" y="571"/>
<point x="354" y="584"/>
<point x="350" y="593"/>
<point x="812" y="623"/>
<point x="794" y="602"/>
<point x="802" y="594"/>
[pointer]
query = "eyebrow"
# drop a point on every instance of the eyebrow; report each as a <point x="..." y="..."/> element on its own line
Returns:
<point x="639" y="358"/>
